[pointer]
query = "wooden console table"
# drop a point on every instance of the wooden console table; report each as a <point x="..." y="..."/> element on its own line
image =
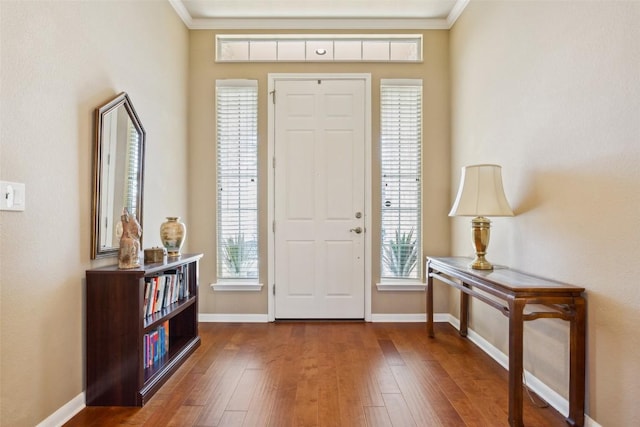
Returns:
<point x="510" y="291"/>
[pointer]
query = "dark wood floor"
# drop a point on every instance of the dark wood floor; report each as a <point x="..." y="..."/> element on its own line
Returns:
<point x="329" y="374"/>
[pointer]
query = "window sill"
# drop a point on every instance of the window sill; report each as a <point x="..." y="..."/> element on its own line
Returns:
<point x="401" y="285"/>
<point x="237" y="286"/>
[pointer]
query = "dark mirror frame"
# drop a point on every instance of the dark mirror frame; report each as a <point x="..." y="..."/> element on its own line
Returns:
<point x="99" y="165"/>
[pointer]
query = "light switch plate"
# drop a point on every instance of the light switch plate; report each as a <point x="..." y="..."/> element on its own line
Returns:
<point x="12" y="196"/>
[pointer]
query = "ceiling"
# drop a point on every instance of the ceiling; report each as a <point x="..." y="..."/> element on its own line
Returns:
<point x="319" y="14"/>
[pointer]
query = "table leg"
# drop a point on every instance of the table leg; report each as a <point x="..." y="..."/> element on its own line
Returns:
<point x="464" y="312"/>
<point x="577" y="364"/>
<point x="516" y="328"/>
<point x="429" y="302"/>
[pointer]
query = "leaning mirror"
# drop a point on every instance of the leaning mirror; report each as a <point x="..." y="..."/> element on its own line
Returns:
<point x="118" y="173"/>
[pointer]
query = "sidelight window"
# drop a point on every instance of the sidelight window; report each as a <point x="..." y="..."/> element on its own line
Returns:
<point x="237" y="179"/>
<point x="401" y="172"/>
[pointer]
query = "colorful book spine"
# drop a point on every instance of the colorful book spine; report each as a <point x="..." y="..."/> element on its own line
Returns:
<point x="156" y="345"/>
<point x="162" y="291"/>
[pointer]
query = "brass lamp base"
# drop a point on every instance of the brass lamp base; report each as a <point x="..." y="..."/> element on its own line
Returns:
<point x="480" y="230"/>
<point x="481" y="263"/>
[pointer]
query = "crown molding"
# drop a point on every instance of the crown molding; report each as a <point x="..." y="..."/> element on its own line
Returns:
<point x="456" y="11"/>
<point x="318" y="23"/>
<point x="182" y="12"/>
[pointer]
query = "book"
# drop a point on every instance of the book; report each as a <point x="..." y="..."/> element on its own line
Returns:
<point x="156" y="345"/>
<point x="147" y="291"/>
<point x="166" y="335"/>
<point x="158" y="295"/>
<point x="152" y="293"/>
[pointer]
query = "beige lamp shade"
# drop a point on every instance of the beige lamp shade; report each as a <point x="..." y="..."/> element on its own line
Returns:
<point x="481" y="193"/>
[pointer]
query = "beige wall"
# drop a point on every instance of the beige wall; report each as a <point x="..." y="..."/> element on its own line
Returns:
<point x="551" y="91"/>
<point x="60" y="60"/>
<point x="203" y="74"/>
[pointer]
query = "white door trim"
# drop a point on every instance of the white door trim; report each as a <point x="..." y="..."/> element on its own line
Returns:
<point x="272" y="78"/>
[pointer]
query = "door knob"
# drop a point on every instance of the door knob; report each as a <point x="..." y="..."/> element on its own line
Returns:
<point x="357" y="230"/>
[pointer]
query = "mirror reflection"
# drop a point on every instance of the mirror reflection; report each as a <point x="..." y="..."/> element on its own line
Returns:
<point x="118" y="175"/>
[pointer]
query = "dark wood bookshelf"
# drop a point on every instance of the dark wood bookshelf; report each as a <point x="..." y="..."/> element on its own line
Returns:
<point x="116" y="325"/>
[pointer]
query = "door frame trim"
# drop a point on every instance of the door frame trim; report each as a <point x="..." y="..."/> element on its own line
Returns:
<point x="271" y="263"/>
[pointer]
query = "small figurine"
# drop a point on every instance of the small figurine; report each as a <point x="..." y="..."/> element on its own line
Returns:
<point x="129" y="253"/>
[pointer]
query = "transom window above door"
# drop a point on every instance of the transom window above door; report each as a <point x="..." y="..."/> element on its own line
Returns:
<point x="319" y="48"/>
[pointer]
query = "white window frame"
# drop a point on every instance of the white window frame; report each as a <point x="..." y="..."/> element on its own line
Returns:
<point x="230" y="283"/>
<point x="400" y="283"/>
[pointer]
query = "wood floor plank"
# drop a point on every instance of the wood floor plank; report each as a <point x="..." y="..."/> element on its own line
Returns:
<point x="174" y="400"/>
<point x="243" y="394"/>
<point x="440" y="405"/>
<point x="282" y="412"/>
<point x="381" y="373"/>
<point x="306" y="399"/>
<point x="328" y="374"/>
<point x="101" y="416"/>
<point x="273" y="350"/>
<point x="232" y="419"/>
<point x="138" y="416"/>
<point x="263" y="399"/>
<point x="328" y="398"/>
<point x="484" y="392"/>
<point x="398" y="410"/>
<point x="377" y="416"/>
<point x="370" y="394"/>
<point x="416" y="398"/>
<point x="471" y="416"/>
<point x="390" y="352"/>
<point x="185" y="416"/>
<point x="220" y="362"/>
<point x="218" y="400"/>
<point x="351" y="408"/>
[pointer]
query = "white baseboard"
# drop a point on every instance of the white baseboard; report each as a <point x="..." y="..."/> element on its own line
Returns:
<point x="263" y="318"/>
<point x="398" y="318"/>
<point x="65" y="413"/>
<point x="408" y="318"/>
<point x="233" y="318"/>
<point x="588" y="422"/>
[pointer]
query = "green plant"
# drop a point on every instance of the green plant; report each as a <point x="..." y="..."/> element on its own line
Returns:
<point x="401" y="255"/>
<point x="238" y="254"/>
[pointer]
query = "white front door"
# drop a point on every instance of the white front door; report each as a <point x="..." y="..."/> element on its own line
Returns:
<point x="319" y="199"/>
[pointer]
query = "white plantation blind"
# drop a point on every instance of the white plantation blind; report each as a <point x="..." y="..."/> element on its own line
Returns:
<point x="237" y="178"/>
<point x="132" y="170"/>
<point x="401" y="171"/>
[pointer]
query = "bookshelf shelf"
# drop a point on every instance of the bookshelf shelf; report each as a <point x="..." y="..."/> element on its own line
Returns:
<point x="173" y="310"/>
<point x="125" y="366"/>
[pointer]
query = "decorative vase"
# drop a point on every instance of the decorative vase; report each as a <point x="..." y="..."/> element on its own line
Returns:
<point x="172" y="233"/>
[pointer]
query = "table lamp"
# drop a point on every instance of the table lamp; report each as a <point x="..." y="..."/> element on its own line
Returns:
<point x="481" y="195"/>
